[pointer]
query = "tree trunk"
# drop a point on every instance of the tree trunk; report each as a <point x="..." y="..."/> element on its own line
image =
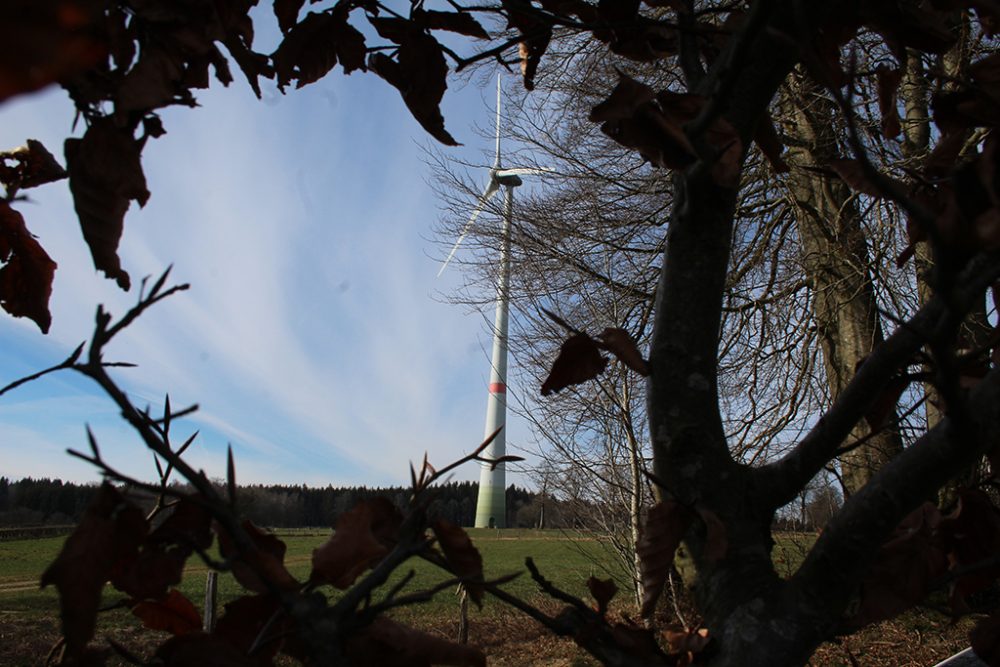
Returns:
<point x="836" y="262"/>
<point x="635" y="500"/>
<point x="913" y="91"/>
<point x="976" y="331"/>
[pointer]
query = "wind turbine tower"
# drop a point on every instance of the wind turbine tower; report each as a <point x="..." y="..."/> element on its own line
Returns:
<point x="491" y="507"/>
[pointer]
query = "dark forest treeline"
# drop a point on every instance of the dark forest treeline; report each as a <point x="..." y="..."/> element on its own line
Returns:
<point x="51" y="501"/>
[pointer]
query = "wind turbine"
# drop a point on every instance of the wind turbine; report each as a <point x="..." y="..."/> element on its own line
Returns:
<point x="491" y="507"/>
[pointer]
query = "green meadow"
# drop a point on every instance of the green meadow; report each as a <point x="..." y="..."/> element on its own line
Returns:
<point x="29" y="616"/>
<point x="565" y="559"/>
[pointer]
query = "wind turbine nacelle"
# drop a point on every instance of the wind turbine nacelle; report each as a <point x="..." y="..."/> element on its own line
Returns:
<point x="510" y="180"/>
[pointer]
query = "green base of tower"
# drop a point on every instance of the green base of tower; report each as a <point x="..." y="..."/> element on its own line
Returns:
<point x="491" y="507"/>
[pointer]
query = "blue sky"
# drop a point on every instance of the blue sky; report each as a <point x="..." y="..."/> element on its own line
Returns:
<point x="314" y="338"/>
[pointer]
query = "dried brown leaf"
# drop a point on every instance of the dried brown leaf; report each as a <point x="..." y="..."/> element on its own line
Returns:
<point x="716" y="540"/>
<point x="462" y="23"/>
<point x="33" y="165"/>
<point x="253" y="65"/>
<point x="634" y="116"/>
<point x="463" y="557"/>
<point x="27" y="272"/>
<point x="656" y="129"/>
<point x="627" y="96"/>
<point x="603" y="590"/>
<point x="264" y="562"/>
<point x="653" y="124"/>
<point x="110" y="531"/>
<point x="174" y="614"/>
<point x="419" y="74"/>
<point x="971" y="535"/>
<point x="45" y="42"/>
<point x="904" y="569"/>
<point x="189" y="524"/>
<point x="618" y="11"/>
<point x="686" y="643"/>
<point x="287" y="13"/>
<point x="390" y="644"/>
<point x="579" y="360"/>
<point x="121" y="38"/>
<point x="640" y="39"/>
<point x="105" y="176"/>
<point x="245" y="618"/>
<point x="312" y="48"/>
<point x="662" y="532"/>
<point x="155" y="81"/>
<point x="160" y="562"/>
<point x="621" y="344"/>
<point x="536" y="32"/>
<point x="151" y="573"/>
<point x="825" y="66"/>
<point x="362" y="537"/>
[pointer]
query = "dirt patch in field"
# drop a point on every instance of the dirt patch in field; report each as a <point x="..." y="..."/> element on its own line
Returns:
<point x="19" y="586"/>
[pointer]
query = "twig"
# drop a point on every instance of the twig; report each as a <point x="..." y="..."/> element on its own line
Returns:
<point x="550" y="588"/>
<point x="423" y="481"/>
<point x="887" y="186"/>
<point x="154" y="297"/>
<point x="561" y="322"/>
<point x="413" y="598"/>
<point x="874" y="432"/>
<point x="260" y="638"/>
<point x="68" y="363"/>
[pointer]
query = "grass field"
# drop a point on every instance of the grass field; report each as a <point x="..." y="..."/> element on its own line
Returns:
<point x="29" y="616"/>
<point x="567" y="560"/>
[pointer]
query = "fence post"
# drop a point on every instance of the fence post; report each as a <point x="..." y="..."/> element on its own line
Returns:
<point x="211" y="595"/>
<point x="463" y="614"/>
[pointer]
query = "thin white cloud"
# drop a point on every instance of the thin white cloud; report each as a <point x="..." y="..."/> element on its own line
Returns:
<point x="309" y="337"/>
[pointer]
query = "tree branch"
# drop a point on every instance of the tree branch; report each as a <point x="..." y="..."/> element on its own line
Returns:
<point x="849" y="542"/>
<point x="781" y="481"/>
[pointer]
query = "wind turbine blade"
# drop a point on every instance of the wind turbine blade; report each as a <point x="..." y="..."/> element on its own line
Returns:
<point x="497" y="162"/>
<point x="490" y="190"/>
<point x="524" y="171"/>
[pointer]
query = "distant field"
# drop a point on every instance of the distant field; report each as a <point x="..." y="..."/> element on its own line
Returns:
<point x="29" y="616"/>
<point x="567" y="560"/>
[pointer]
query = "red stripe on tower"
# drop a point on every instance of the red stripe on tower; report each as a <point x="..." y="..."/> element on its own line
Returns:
<point x="498" y="388"/>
